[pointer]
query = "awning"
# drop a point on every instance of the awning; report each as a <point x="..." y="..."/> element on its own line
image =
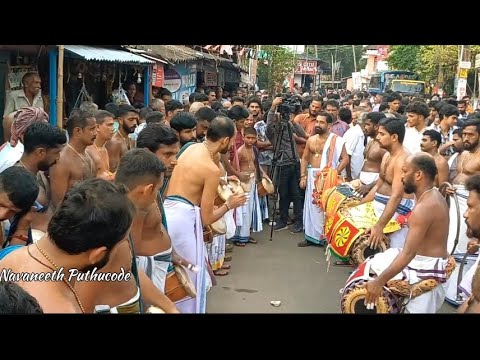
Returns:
<point x="110" y="55"/>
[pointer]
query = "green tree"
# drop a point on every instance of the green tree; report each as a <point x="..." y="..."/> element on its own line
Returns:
<point x="404" y="57"/>
<point x="273" y="69"/>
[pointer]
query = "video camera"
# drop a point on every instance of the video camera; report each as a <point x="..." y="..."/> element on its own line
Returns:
<point x="290" y="104"/>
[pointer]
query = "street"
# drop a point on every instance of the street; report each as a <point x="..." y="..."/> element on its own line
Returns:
<point x="278" y="270"/>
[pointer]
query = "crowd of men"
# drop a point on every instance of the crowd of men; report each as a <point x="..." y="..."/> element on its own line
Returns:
<point x="135" y="192"/>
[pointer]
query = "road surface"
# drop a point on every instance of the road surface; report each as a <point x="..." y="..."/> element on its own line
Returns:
<point x="279" y="270"/>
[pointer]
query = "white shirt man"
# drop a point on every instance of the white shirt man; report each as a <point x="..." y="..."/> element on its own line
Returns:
<point x="354" y="144"/>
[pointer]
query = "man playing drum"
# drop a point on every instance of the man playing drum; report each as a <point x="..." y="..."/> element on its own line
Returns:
<point x="314" y="159"/>
<point x="424" y="254"/>
<point x="388" y="196"/>
<point x="468" y="164"/>
<point x="373" y="153"/>
<point x="190" y="200"/>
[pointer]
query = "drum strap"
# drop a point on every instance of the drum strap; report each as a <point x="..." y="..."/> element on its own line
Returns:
<point x="135" y="271"/>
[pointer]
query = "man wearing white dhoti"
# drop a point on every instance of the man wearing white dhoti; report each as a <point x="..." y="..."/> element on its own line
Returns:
<point x="190" y="204"/>
<point x="424" y="254"/>
<point x="388" y="196"/>
<point x="325" y="149"/>
<point x="468" y="164"/>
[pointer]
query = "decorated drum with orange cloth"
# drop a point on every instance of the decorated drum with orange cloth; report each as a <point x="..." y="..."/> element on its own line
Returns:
<point x="347" y="227"/>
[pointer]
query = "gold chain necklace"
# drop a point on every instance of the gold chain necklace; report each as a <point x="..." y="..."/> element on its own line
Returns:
<point x="317" y="153"/>
<point x="124" y="140"/>
<point x="64" y="279"/>
<point x="211" y="153"/>
<point x="81" y="157"/>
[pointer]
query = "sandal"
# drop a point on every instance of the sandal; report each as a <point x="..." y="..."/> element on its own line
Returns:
<point x="343" y="263"/>
<point x="227" y="258"/>
<point x="252" y="240"/>
<point x="304" y="244"/>
<point x="221" y="273"/>
<point x="238" y="243"/>
<point x="226" y="267"/>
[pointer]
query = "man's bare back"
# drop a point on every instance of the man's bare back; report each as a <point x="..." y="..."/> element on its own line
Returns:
<point x="188" y="178"/>
<point x="70" y="169"/>
<point x="428" y="225"/>
<point x="116" y="148"/>
<point x="443" y="169"/>
<point x="53" y="296"/>
<point x="373" y="155"/>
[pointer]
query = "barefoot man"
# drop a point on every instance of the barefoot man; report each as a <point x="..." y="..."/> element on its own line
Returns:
<point x="373" y="153"/>
<point x="97" y="151"/>
<point x="190" y="199"/>
<point x="75" y="164"/>
<point x="127" y="118"/>
<point x="322" y="148"/>
<point x="424" y="254"/>
<point x="388" y="196"/>
<point x="468" y="164"/>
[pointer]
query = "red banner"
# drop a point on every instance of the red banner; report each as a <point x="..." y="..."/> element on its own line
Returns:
<point x="157" y="75"/>
<point x="307" y="67"/>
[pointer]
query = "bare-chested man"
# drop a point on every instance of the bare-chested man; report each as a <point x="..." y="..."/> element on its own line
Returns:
<point x="76" y="244"/>
<point x="388" y="196"/>
<point x="97" y="151"/>
<point x="468" y="164"/>
<point x="470" y="285"/>
<point x="141" y="172"/>
<point x="120" y="143"/>
<point x="190" y="203"/>
<point x="154" y="250"/>
<point x="319" y="149"/>
<point x="425" y="247"/>
<point x="431" y="140"/>
<point x="75" y="164"/>
<point x="373" y="153"/>
<point x="42" y="144"/>
<point x="163" y="142"/>
<point x="255" y="211"/>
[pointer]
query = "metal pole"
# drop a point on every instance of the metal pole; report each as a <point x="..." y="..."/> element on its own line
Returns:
<point x="333" y="71"/>
<point x="147" y="88"/>
<point x="52" y="85"/>
<point x="354" y="58"/>
<point x="60" y="87"/>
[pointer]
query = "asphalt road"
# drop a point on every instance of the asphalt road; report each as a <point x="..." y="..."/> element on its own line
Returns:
<point x="279" y="270"/>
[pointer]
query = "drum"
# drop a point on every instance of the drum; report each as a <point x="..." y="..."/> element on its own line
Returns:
<point x="178" y="285"/>
<point x="265" y="187"/>
<point x="219" y="227"/>
<point x="236" y="187"/>
<point x="223" y="193"/>
<point x="354" y="292"/>
<point x="339" y="196"/>
<point x="347" y="227"/>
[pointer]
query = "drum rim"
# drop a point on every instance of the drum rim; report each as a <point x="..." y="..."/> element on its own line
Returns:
<point x="185" y="280"/>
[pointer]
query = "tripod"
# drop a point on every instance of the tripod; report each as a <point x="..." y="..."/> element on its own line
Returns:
<point x="275" y="170"/>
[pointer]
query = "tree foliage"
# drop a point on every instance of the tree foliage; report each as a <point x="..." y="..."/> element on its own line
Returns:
<point x="277" y="67"/>
<point x="404" y="57"/>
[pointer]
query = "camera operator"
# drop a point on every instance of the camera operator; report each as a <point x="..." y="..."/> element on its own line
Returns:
<point x="285" y="165"/>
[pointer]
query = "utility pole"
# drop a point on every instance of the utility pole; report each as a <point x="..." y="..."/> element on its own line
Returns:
<point x="333" y="71"/>
<point x="354" y="58"/>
